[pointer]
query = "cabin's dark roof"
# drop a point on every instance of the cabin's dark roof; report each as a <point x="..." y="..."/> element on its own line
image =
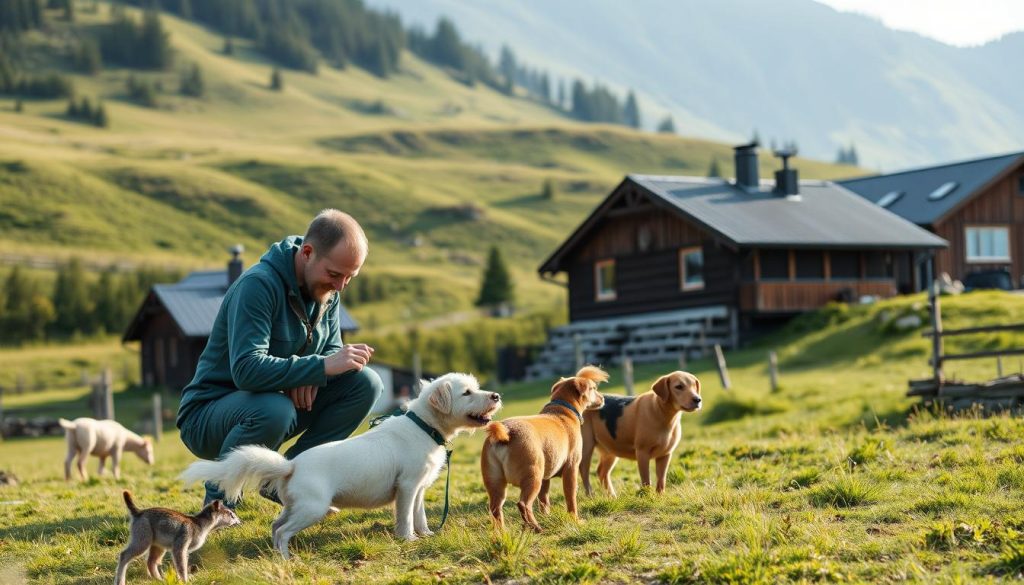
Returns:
<point x="824" y="216"/>
<point x="916" y="185"/>
<point x="193" y="303"/>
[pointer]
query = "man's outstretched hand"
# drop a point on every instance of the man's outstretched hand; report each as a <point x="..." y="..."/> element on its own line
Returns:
<point x="351" y="357"/>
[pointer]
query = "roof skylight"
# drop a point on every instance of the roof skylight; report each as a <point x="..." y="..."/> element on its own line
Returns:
<point x="943" y="190"/>
<point x="889" y="198"/>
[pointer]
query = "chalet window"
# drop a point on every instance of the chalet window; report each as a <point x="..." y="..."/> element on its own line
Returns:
<point x="604" y="280"/>
<point x="774" y="264"/>
<point x="988" y="244"/>
<point x="877" y="265"/>
<point x="691" y="269"/>
<point x="810" y="265"/>
<point x="844" y="265"/>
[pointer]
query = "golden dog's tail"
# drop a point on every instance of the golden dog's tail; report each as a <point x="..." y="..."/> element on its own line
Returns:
<point x="592" y="373"/>
<point x="498" y="432"/>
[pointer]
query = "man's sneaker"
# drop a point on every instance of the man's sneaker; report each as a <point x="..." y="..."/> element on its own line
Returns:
<point x="270" y="494"/>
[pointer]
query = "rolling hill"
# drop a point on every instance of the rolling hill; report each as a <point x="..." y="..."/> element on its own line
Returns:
<point x="438" y="171"/>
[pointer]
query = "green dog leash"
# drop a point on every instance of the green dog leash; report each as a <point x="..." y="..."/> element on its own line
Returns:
<point x="441" y="442"/>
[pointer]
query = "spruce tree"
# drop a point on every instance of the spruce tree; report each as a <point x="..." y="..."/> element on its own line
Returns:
<point x="713" y="171"/>
<point x="229" y="46"/>
<point x="631" y="112"/>
<point x="99" y="117"/>
<point x="667" y="126"/>
<point x="192" y="82"/>
<point x="496" y="287"/>
<point x="19" y="106"/>
<point x="276" y="81"/>
<point x="72" y="296"/>
<point x="548" y="190"/>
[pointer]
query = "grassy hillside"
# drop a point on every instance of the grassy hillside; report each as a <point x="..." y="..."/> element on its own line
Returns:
<point x="419" y="158"/>
<point x="834" y="478"/>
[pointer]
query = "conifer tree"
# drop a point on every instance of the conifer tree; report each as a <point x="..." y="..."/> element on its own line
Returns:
<point x="192" y="82"/>
<point x="667" y="126"/>
<point x="713" y="171"/>
<point x="548" y="190"/>
<point x="496" y="287"/>
<point x="276" y="81"/>
<point x="631" y="112"/>
<point x="72" y="296"/>
<point x="99" y="117"/>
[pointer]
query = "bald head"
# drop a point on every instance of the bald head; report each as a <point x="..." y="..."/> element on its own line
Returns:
<point x="332" y="227"/>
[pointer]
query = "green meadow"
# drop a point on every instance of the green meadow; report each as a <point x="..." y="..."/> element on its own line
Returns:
<point x="835" y="477"/>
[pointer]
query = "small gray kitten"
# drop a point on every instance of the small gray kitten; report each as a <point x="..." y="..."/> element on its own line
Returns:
<point x="158" y="529"/>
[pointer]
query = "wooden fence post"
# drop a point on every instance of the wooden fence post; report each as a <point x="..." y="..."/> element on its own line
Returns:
<point x="773" y="370"/>
<point x="577" y="348"/>
<point x="723" y="371"/>
<point x="3" y="427"/>
<point x="936" y="333"/>
<point x="999" y="366"/>
<point x="158" y="417"/>
<point x="108" y="394"/>
<point x="627" y="373"/>
<point x="682" y="360"/>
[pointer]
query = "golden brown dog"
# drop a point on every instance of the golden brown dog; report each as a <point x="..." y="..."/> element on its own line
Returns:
<point x="528" y="451"/>
<point x="643" y="428"/>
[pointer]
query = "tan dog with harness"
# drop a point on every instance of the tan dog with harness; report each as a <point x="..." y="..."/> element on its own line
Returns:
<point x="528" y="451"/>
<point x="643" y="428"/>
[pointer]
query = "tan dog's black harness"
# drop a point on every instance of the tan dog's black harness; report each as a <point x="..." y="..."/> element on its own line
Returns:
<point x="557" y="402"/>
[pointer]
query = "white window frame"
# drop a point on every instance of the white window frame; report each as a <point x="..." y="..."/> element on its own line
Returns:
<point x="683" y="253"/>
<point x="971" y="230"/>
<point x="600" y="292"/>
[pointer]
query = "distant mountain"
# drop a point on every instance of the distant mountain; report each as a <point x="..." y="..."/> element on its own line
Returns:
<point x="791" y="69"/>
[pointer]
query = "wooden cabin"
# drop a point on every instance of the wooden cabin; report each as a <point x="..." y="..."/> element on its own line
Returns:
<point x="670" y="264"/>
<point x="975" y="205"/>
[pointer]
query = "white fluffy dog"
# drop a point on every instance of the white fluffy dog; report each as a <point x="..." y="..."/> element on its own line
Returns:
<point x="394" y="462"/>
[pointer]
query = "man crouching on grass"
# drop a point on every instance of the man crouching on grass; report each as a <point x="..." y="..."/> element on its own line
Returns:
<point x="275" y="365"/>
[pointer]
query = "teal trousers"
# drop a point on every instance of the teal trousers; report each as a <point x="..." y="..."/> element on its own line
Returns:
<point x="269" y="419"/>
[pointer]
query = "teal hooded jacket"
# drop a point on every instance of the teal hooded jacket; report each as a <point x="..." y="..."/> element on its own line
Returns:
<point x="259" y="342"/>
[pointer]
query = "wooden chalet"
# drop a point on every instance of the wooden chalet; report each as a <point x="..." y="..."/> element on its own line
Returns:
<point x="671" y="264"/>
<point x="976" y="205"/>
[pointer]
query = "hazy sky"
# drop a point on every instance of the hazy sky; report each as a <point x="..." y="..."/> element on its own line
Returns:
<point x="956" y="22"/>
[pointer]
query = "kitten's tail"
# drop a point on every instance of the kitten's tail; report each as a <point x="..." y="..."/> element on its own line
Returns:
<point x="131" y="505"/>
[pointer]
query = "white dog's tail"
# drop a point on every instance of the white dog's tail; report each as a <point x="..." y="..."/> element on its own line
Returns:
<point x="246" y="466"/>
<point x="67" y="424"/>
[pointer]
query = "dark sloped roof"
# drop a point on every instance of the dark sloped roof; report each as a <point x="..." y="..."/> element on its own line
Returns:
<point x="824" y="216"/>
<point x="194" y="301"/>
<point x="917" y="184"/>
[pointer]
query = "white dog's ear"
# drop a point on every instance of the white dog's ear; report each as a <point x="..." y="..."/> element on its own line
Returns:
<point x="441" y="398"/>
